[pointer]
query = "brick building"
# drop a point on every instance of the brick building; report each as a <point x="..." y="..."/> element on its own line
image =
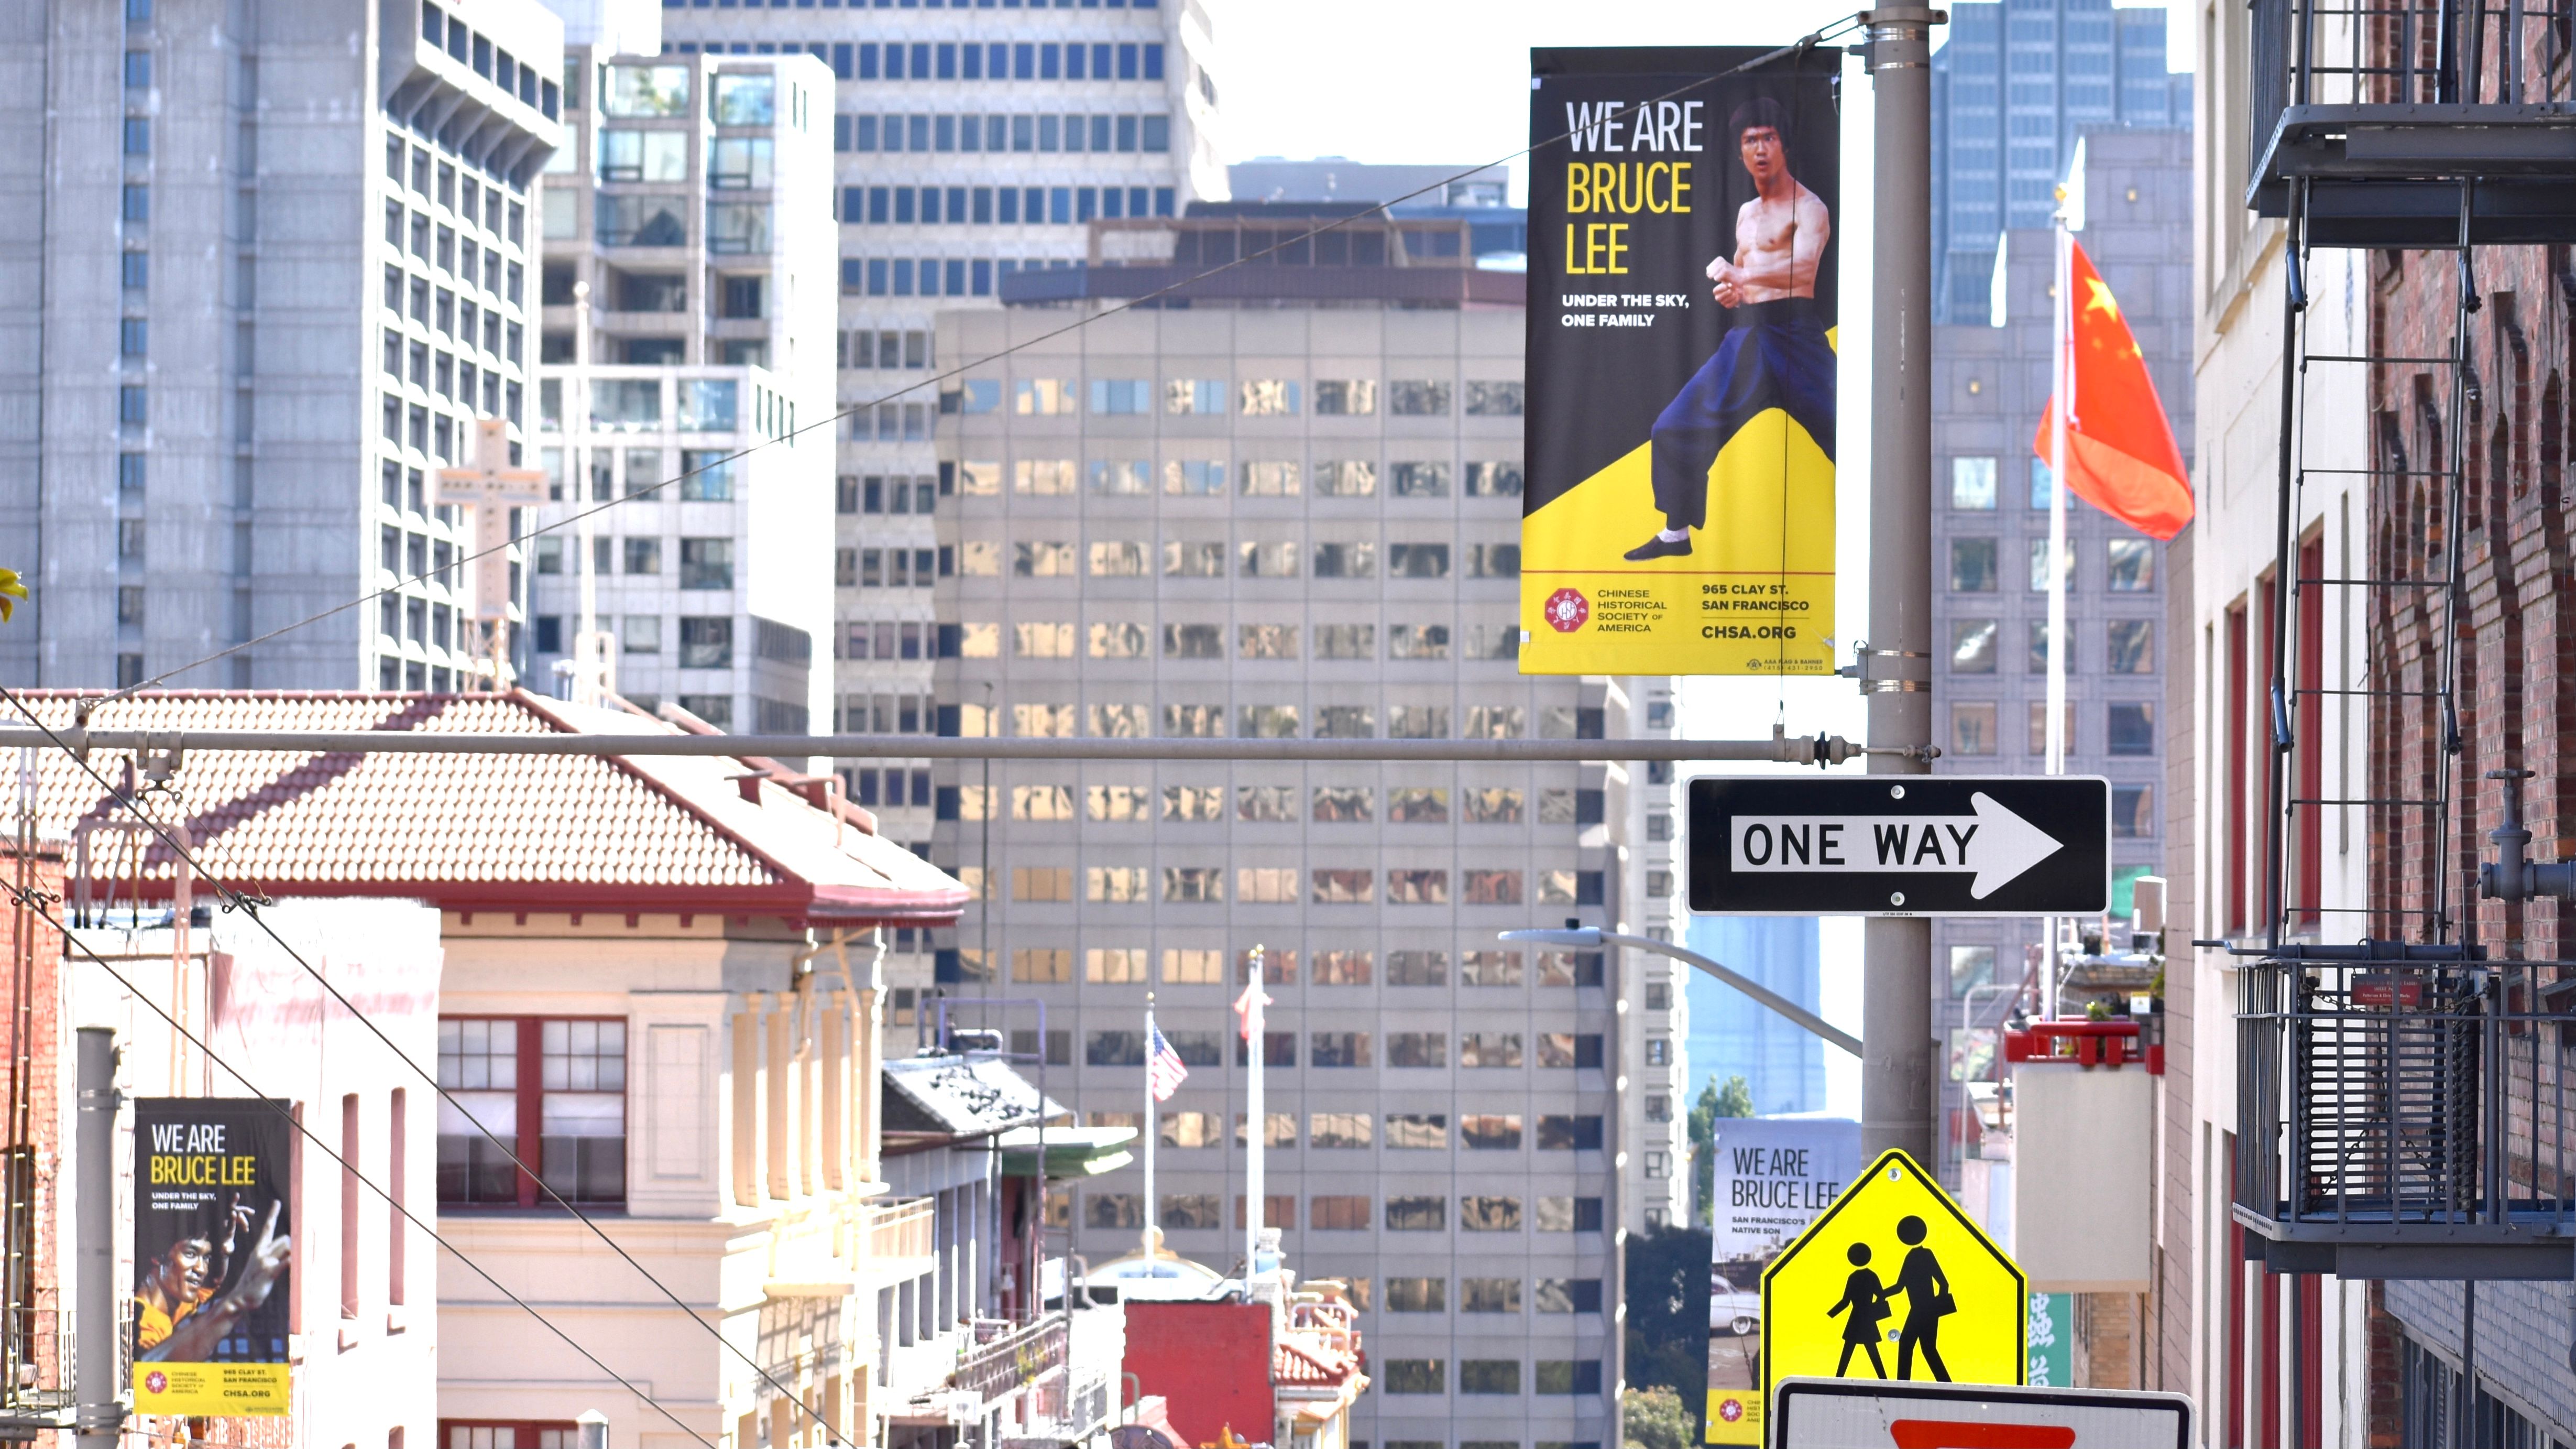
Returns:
<point x="2515" y="683"/>
<point x="2428" y="394"/>
<point x="30" y="1033"/>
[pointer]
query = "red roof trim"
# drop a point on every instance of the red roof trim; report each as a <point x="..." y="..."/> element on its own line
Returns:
<point x="905" y="908"/>
<point x="532" y="705"/>
<point x="790" y="894"/>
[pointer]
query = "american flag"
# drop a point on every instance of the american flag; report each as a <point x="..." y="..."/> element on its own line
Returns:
<point x="1163" y="1070"/>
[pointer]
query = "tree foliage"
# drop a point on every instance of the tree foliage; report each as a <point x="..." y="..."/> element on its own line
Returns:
<point x="1667" y="1299"/>
<point x="1655" y="1419"/>
<point x="1734" y="1099"/>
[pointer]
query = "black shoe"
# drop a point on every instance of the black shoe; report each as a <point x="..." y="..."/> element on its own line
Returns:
<point x="1658" y="547"/>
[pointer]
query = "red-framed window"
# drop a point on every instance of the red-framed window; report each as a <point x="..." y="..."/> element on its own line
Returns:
<point x="2237" y="812"/>
<point x="563" y="1077"/>
<point x="2308" y="882"/>
<point x="508" y="1434"/>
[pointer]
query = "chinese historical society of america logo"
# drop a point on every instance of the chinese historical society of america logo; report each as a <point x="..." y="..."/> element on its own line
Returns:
<point x="1731" y="1410"/>
<point x="1566" y="610"/>
<point x="156" y="1381"/>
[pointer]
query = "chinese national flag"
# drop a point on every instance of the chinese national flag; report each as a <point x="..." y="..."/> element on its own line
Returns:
<point x="2120" y="452"/>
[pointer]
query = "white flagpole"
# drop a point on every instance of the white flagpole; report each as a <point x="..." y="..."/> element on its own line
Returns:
<point x="1256" y="1122"/>
<point x="1153" y="1128"/>
<point x="2062" y="329"/>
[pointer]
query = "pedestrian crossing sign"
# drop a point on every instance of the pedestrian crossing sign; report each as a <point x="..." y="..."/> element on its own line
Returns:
<point x="1893" y="1281"/>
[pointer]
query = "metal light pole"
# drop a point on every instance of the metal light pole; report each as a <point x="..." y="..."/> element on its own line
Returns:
<point x="1592" y="938"/>
<point x="96" y="1325"/>
<point x="1897" y="1094"/>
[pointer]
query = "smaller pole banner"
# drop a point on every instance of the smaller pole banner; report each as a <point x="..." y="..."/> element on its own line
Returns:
<point x="211" y="1256"/>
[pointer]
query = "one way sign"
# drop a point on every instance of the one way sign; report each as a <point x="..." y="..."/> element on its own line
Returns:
<point x="1923" y="845"/>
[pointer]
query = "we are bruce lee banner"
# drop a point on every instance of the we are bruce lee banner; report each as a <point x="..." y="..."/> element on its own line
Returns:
<point x="1678" y="513"/>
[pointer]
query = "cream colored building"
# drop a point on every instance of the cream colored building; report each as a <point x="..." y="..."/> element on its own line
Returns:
<point x="2221" y="665"/>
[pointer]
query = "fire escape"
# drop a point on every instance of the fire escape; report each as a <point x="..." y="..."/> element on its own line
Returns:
<point x="2403" y="1099"/>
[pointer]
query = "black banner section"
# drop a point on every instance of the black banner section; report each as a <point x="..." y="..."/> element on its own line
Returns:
<point x="212" y="1253"/>
<point x="1678" y="509"/>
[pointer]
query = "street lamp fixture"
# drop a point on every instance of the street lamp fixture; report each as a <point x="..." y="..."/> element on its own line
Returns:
<point x="1592" y="938"/>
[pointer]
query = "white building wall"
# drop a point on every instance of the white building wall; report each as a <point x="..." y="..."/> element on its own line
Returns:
<point x="2240" y="274"/>
<point x="199" y="448"/>
<point x="357" y="1377"/>
<point x="701" y="301"/>
<point x="1641" y="829"/>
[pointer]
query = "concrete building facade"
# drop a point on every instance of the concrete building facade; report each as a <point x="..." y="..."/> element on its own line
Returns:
<point x="687" y="224"/>
<point x="2221" y="1320"/>
<point x="2013" y="85"/>
<point x="1280" y="518"/>
<point x="968" y="145"/>
<point x="271" y="267"/>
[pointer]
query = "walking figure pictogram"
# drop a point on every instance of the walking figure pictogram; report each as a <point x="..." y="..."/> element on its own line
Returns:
<point x="1867" y="1300"/>
<point x="1927" y="1302"/>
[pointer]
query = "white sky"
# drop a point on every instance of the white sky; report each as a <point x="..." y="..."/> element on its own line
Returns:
<point x="1447" y="80"/>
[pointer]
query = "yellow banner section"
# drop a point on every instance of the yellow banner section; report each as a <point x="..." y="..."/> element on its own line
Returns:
<point x="1755" y="594"/>
<point x="1734" y="1416"/>
<point x="211" y="1389"/>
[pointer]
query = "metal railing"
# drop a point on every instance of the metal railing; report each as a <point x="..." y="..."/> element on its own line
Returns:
<point x="899" y="1230"/>
<point x="2386" y="1088"/>
<point x="2407" y="52"/>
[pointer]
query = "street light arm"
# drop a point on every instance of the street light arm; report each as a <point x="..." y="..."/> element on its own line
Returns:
<point x="1588" y="936"/>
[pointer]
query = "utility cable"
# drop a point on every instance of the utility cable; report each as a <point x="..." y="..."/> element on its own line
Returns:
<point x="235" y="899"/>
<point x="1795" y="48"/>
<point x="34" y="901"/>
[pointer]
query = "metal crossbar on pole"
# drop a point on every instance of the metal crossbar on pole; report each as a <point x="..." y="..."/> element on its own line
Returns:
<point x="1784" y="749"/>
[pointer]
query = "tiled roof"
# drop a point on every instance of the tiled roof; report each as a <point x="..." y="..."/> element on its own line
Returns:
<point x="489" y="832"/>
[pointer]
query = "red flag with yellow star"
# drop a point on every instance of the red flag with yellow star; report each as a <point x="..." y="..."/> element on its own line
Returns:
<point x="2120" y="452"/>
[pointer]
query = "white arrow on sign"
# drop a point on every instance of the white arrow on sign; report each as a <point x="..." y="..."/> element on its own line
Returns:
<point x="1994" y="843"/>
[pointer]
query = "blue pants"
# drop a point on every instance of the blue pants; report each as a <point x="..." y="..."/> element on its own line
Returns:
<point x="1776" y="356"/>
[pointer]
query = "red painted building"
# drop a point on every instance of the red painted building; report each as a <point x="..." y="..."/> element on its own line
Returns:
<point x="1280" y="1368"/>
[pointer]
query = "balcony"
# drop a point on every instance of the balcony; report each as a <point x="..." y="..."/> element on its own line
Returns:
<point x="2384" y="111"/>
<point x="2403" y="1112"/>
<point x="900" y="1239"/>
<point x="841" y="1247"/>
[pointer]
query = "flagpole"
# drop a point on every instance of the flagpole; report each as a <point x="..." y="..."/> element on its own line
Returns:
<point x="1152" y="1235"/>
<point x="1256" y="1122"/>
<point x="2062" y="404"/>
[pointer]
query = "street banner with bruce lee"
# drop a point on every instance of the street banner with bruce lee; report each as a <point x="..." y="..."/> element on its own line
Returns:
<point x="1678" y="512"/>
<point x="211" y="1256"/>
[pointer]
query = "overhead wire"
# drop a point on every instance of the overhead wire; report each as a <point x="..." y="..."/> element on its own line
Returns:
<point x="33" y="900"/>
<point x="1797" y="47"/>
<point x="235" y="899"/>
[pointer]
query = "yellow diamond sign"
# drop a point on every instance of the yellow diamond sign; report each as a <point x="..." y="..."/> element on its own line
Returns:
<point x="1893" y="1282"/>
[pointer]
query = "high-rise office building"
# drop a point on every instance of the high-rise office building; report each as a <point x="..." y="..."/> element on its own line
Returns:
<point x="2131" y="191"/>
<point x="1291" y="508"/>
<point x="273" y="265"/>
<point x="970" y="143"/>
<point x="692" y="201"/>
<point x="1636" y="831"/>
<point x="2013" y="85"/>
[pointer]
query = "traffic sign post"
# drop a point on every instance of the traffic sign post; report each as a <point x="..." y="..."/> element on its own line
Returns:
<point x="1841" y="1414"/>
<point x="1893" y="1282"/>
<point x="1942" y="845"/>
